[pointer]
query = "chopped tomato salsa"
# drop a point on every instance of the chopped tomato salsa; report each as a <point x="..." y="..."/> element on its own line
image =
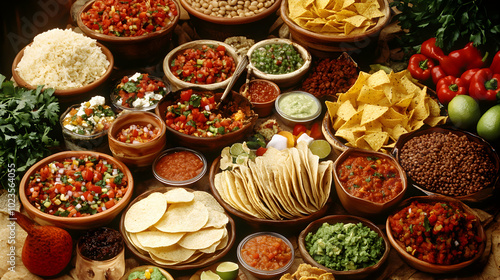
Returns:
<point x="266" y="252"/>
<point x="437" y="232"/>
<point x="76" y="186"/>
<point x="372" y="178"/>
<point x="179" y="166"/>
<point x="261" y="92"/>
<point x="135" y="134"/>
<point x="139" y="91"/>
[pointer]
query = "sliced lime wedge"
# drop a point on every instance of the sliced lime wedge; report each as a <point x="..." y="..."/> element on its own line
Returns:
<point x="242" y="158"/>
<point x="236" y="149"/>
<point x="209" y="275"/>
<point x="320" y="148"/>
<point x="228" y="270"/>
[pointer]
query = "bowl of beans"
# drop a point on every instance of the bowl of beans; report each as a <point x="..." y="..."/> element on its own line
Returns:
<point x="179" y="166"/>
<point x="207" y="64"/>
<point x="89" y="189"/>
<point x="368" y="183"/>
<point x="357" y="257"/>
<point x="450" y="162"/>
<point x="421" y="230"/>
<point x="262" y="94"/>
<point x="136" y="138"/>
<point x="280" y="61"/>
<point x="137" y="32"/>
<point x="218" y="20"/>
<point x="254" y="254"/>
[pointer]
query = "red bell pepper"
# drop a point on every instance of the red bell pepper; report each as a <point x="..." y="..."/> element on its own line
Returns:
<point x="467" y="76"/>
<point x="420" y="67"/>
<point x="437" y="74"/>
<point x="456" y="62"/>
<point x="429" y="49"/>
<point x="484" y="85"/>
<point x="449" y="87"/>
<point x="495" y="64"/>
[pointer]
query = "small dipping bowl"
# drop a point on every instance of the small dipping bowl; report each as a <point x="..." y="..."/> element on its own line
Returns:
<point x="297" y="107"/>
<point x="262" y="93"/>
<point x="184" y="157"/>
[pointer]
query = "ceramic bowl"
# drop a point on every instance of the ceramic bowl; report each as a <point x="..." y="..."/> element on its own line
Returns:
<point x="426" y="266"/>
<point x="134" y="51"/>
<point x="215" y="143"/>
<point x="362" y="273"/>
<point x="78" y="223"/>
<point x="137" y="154"/>
<point x="282" y="80"/>
<point x="360" y="206"/>
<point x="143" y="268"/>
<point x="185" y="183"/>
<point x="263" y="109"/>
<point x="260" y="273"/>
<point x="290" y="120"/>
<point x="180" y="84"/>
<point x="475" y="197"/>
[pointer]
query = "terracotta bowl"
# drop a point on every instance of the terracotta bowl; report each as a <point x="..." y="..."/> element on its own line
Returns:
<point x="219" y="28"/>
<point x="326" y="127"/>
<point x="334" y="42"/>
<point x="209" y="144"/>
<point x="282" y="80"/>
<point x="77" y="223"/>
<point x="143" y="268"/>
<point x="139" y="154"/>
<point x="134" y="51"/>
<point x="475" y="197"/>
<point x="67" y="94"/>
<point x="364" y="207"/>
<point x="263" y="109"/>
<point x="423" y="265"/>
<point x="362" y="273"/>
<point x="180" y="84"/>
<point x="204" y="261"/>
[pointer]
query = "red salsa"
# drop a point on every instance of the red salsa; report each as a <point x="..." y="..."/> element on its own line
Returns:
<point x="437" y="232"/>
<point x="179" y="166"/>
<point x="261" y="92"/>
<point x="372" y="178"/>
<point x="266" y="252"/>
<point x="76" y="186"/>
<point x="136" y="134"/>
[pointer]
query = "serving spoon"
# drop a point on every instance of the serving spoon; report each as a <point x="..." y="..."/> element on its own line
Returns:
<point x="242" y="64"/>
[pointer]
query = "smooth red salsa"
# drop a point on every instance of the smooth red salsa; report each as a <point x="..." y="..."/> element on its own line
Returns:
<point x="76" y="186"/>
<point x="438" y="233"/>
<point x="261" y="92"/>
<point x="179" y="166"/>
<point x="369" y="177"/>
<point x="266" y="252"/>
<point x="206" y="65"/>
<point x="135" y="133"/>
<point x="129" y="18"/>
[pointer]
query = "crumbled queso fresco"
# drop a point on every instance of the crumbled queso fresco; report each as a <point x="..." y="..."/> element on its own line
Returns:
<point x="90" y="118"/>
<point x="150" y="98"/>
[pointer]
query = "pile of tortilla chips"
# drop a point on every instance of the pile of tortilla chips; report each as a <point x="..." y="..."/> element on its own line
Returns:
<point x="348" y="17"/>
<point x="177" y="227"/>
<point x="379" y="108"/>
<point x="308" y="272"/>
<point x="278" y="185"/>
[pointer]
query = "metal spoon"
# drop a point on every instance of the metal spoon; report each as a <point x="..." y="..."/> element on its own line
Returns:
<point x="242" y="64"/>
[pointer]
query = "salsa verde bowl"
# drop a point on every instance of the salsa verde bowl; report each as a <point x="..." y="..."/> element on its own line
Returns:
<point x="181" y="167"/>
<point x="297" y="107"/>
<point x="117" y="185"/>
<point x="150" y="268"/>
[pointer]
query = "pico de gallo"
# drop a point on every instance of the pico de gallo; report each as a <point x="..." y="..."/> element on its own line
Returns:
<point x="139" y="91"/>
<point x="206" y="65"/>
<point x="76" y="186"/>
<point x="136" y="133"/>
<point x="195" y="114"/>
<point x="129" y="18"/>
<point x="90" y="118"/>
<point x="437" y="232"/>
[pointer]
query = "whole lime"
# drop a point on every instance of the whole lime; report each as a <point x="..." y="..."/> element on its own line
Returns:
<point x="488" y="126"/>
<point x="464" y="111"/>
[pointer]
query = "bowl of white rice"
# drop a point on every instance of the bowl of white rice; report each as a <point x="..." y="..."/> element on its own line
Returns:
<point x="64" y="60"/>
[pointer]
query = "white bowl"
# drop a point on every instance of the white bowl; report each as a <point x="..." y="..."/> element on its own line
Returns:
<point x="290" y="120"/>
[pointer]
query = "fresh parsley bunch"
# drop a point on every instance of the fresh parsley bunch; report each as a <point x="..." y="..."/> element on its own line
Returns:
<point x="26" y="119"/>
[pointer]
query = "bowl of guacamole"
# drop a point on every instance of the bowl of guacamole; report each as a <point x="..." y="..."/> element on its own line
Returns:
<point x="147" y="272"/>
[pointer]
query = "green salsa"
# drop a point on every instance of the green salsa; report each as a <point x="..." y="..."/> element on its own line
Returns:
<point x="276" y="59"/>
<point x="298" y="105"/>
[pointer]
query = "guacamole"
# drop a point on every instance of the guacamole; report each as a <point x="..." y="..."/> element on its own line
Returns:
<point x="150" y="273"/>
<point x="298" y="105"/>
<point x="345" y="247"/>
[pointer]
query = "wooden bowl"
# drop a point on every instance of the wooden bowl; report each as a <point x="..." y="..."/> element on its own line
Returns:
<point x="282" y="80"/>
<point x="359" y="206"/>
<point x="329" y="134"/>
<point x="362" y="273"/>
<point x="78" y="223"/>
<point x="209" y="144"/>
<point x="180" y="84"/>
<point x="263" y="109"/>
<point x="423" y="265"/>
<point x="144" y="267"/>
<point x="476" y="197"/>
<point x="139" y="154"/>
<point x="204" y="261"/>
<point x="275" y="225"/>
<point x="134" y="51"/>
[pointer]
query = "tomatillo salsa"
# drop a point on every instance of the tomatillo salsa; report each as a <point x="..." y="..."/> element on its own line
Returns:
<point x="179" y="166"/>
<point x="371" y="178"/>
<point x="266" y="252"/>
<point x="76" y="186"/>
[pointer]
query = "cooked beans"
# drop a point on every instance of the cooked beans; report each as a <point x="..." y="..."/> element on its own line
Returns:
<point x="447" y="163"/>
<point x="230" y="8"/>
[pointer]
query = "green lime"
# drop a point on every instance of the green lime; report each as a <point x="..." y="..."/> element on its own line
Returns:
<point x="236" y="149"/>
<point x="321" y="148"/>
<point x="488" y="126"/>
<point x="464" y="111"/>
<point x="228" y="270"/>
<point x="242" y="158"/>
<point x="209" y="275"/>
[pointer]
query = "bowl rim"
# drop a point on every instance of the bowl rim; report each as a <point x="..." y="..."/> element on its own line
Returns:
<point x="145" y="117"/>
<point x="428" y="267"/>
<point x="144" y="267"/>
<point x="72" y="220"/>
<point x="185" y="182"/>
<point x="273" y="84"/>
<point x="231" y="21"/>
<point x="251" y="269"/>
<point x="290" y="118"/>
<point x="114" y="39"/>
<point x="66" y="92"/>
<point x="76" y="135"/>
